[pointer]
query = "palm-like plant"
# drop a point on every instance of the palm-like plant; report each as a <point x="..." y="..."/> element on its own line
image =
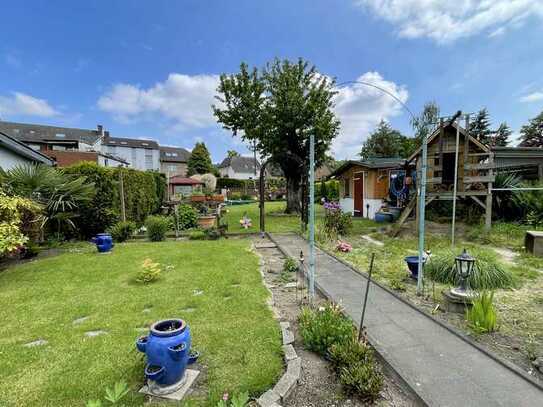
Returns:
<point x="58" y="193"/>
<point x="504" y="206"/>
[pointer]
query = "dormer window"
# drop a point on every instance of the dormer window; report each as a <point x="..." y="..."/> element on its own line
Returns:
<point x="144" y="144"/>
<point x="124" y="142"/>
<point x="60" y="135"/>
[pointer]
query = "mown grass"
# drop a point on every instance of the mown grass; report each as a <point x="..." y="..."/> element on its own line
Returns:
<point x="231" y="324"/>
<point x="501" y="234"/>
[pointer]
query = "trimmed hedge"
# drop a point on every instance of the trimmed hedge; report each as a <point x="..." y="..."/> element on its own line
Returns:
<point x="143" y="193"/>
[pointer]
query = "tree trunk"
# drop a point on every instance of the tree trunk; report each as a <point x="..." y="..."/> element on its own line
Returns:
<point x="293" y="195"/>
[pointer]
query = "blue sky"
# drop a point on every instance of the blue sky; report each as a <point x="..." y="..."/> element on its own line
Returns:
<point x="149" y="69"/>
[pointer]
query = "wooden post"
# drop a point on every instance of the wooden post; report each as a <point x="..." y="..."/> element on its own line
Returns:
<point x="121" y="194"/>
<point x="361" y="327"/>
<point x="488" y="211"/>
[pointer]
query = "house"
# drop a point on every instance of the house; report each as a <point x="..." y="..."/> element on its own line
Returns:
<point x="67" y="158"/>
<point x="239" y="167"/>
<point x="179" y="187"/>
<point x="174" y="161"/>
<point x="141" y="154"/>
<point x="364" y="185"/>
<point x="13" y="153"/>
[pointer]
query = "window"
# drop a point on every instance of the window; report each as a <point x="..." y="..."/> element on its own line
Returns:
<point x="58" y="148"/>
<point x="134" y="157"/>
<point x="148" y="160"/>
<point x="347" y="187"/>
<point x="60" y="135"/>
<point x="182" y="190"/>
<point x="35" y="147"/>
<point x="144" y="144"/>
<point x="172" y="168"/>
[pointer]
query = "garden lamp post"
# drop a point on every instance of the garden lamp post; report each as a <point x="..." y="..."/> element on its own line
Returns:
<point x="464" y="267"/>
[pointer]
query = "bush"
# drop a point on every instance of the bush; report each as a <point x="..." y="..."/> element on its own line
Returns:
<point x="187" y="217"/>
<point x="290" y="265"/>
<point x="13" y="212"/>
<point x="230" y="183"/>
<point x="122" y="231"/>
<point x="336" y="222"/>
<point x="157" y="226"/>
<point x="148" y="272"/>
<point x="348" y="353"/>
<point x="488" y="273"/>
<point x="362" y="379"/>
<point x="197" y="235"/>
<point x="324" y="327"/>
<point x="482" y="315"/>
<point x="531" y="203"/>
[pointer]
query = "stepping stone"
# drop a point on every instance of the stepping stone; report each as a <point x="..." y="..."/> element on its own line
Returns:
<point x="146" y="310"/>
<point x="80" y="320"/>
<point x="197" y="292"/>
<point x="188" y="310"/>
<point x="95" y="333"/>
<point x="291" y="285"/>
<point x="38" y="342"/>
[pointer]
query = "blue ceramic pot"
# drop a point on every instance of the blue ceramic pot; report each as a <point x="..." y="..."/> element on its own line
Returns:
<point x="383" y="217"/>
<point x="103" y="242"/>
<point x="413" y="265"/>
<point x="167" y="348"/>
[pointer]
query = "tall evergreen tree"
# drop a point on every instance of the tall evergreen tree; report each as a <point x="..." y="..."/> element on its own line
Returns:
<point x="232" y="153"/>
<point x="425" y="122"/>
<point x="500" y="137"/>
<point x="199" y="161"/>
<point x="385" y="141"/>
<point x="480" y="127"/>
<point x="531" y="134"/>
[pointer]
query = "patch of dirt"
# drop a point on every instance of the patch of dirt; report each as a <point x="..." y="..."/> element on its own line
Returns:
<point x="319" y="386"/>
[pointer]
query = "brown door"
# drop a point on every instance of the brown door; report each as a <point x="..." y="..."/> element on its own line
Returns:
<point x="358" y="194"/>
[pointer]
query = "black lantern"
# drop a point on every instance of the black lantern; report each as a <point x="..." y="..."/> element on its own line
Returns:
<point x="464" y="268"/>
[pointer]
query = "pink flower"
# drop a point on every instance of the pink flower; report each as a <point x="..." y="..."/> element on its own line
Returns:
<point x="343" y="247"/>
<point x="225" y="396"/>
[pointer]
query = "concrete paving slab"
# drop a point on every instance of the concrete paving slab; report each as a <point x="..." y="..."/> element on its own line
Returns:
<point x="442" y="368"/>
<point x="190" y="376"/>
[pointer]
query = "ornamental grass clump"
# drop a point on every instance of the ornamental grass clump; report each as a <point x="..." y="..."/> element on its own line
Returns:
<point x="148" y="272"/>
<point x="156" y="227"/>
<point x="488" y="272"/>
<point x="323" y="327"/>
<point x="290" y="265"/>
<point x="122" y="231"/>
<point x="482" y="317"/>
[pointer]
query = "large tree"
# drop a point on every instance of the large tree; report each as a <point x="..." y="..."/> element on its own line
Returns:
<point x="480" y="127"/>
<point x="277" y="109"/>
<point x="385" y="141"/>
<point x="199" y="161"/>
<point x="424" y="123"/>
<point x="232" y="153"/>
<point x="531" y="134"/>
<point x="500" y="137"/>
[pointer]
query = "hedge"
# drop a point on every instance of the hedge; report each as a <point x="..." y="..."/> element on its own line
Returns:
<point x="143" y="192"/>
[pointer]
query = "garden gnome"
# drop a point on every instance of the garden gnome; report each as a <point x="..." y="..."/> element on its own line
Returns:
<point x="245" y="222"/>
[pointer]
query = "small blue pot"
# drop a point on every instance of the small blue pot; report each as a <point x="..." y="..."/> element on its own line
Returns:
<point x="383" y="217"/>
<point x="413" y="265"/>
<point x="103" y="242"/>
<point x="167" y="348"/>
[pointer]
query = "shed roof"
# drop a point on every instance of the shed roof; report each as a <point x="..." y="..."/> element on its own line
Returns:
<point x="372" y="163"/>
<point x="23" y="150"/>
<point x="178" y="180"/>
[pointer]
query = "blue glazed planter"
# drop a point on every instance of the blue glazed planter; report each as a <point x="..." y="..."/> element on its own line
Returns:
<point x="167" y="348"/>
<point x="103" y="242"/>
<point x="383" y="217"/>
<point x="413" y="265"/>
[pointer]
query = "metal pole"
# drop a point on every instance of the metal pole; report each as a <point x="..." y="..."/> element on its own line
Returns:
<point x="121" y="193"/>
<point x="361" y="328"/>
<point x="311" y="217"/>
<point x="455" y="185"/>
<point x="422" y="208"/>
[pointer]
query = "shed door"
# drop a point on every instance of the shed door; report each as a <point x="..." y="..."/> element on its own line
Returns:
<point x="358" y="194"/>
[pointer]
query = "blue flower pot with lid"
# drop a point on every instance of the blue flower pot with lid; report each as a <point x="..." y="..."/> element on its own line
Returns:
<point x="103" y="242"/>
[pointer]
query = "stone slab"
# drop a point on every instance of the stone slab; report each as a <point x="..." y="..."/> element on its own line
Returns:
<point x="291" y="285"/>
<point x="190" y="377"/>
<point x="289" y="352"/>
<point x="285" y="385"/>
<point x="294" y="368"/>
<point x="268" y="245"/>
<point x="268" y="399"/>
<point x="288" y="336"/>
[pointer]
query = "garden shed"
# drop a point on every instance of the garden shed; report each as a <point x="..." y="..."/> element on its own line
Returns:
<point x="179" y="187"/>
<point x="364" y="185"/>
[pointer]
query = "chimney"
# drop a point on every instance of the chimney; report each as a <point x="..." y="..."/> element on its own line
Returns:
<point x="100" y="129"/>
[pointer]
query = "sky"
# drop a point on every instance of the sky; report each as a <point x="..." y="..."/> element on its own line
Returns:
<point x="150" y="69"/>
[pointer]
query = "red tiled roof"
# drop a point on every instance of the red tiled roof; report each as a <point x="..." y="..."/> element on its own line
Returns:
<point x="177" y="180"/>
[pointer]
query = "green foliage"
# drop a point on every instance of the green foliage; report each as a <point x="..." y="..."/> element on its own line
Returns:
<point x="277" y="109"/>
<point x="424" y="123"/>
<point x="531" y="203"/>
<point x="488" y="272"/>
<point x="113" y="395"/>
<point x="235" y="196"/>
<point x="148" y="272"/>
<point x="187" y="217"/>
<point x="13" y="211"/>
<point x="504" y="204"/>
<point x="290" y="265"/>
<point x="384" y="141"/>
<point x="197" y="235"/>
<point x="479" y="127"/>
<point x="122" y="231"/>
<point x="238" y="400"/>
<point x="531" y="134"/>
<point x="482" y="316"/>
<point x="323" y="327"/>
<point x="349" y="352"/>
<point x="231" y="183"/>
<point x="397" y="284"/>
<point x="199" y="161"/>
<point x="156" y="226"/>
<point x="500" y="137"/>
<point x="335" y="222"/>
<point x="323" y="192"/>
<point x="362" y="380"/>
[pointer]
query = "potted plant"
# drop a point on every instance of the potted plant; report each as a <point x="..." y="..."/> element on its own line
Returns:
<point x="197" y="197"/>
<point x="206" y="220"/>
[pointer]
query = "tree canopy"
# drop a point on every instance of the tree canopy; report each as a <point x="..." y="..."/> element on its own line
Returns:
<point x="531" y="134"/>
<point x="232" y="153"/>
<point x="480" y="127"/>
<point x="500" y="137"/>
<point x="277" y="109"/>
<point x="200" y="160"/>
<point x="385" y="141"/>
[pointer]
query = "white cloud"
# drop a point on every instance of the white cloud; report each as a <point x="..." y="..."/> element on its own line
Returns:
<point x="25" y="105"/>
<point x="536" y="96"/>
<point x="186" y="100"/>
<point x="360" y="108"/>
<point x="446" y="21"/>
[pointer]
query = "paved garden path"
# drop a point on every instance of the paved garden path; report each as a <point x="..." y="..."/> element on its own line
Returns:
<point x="443" y="369"/>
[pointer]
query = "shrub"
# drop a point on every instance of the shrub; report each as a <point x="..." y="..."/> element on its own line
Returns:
<point x="488" y="273"/>
<point x="212" y="233"/>
<point x="13" y="210"/>
<point x="531" y="203"/>
<point x="156" y="226"/>
<point x="148" y="272"/>
<point x="482" y="316"/>
<point x="197" y="235"/>
<point x="397" y="284"/>
<point x="234" y="196"/>
<point x="362" y="379"/>
<point x="349" y="352"/>
<point x="187" y="217"/>
<point x="324" y="327"/>
<point x="290" y="265"/>
<point x="122" y="231"/>
<point x="336" y="222"/>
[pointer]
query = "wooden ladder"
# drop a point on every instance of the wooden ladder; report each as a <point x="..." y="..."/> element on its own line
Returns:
<point x="404" y="215"/>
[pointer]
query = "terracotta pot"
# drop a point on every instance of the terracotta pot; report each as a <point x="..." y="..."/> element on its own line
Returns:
<point x="217" y="198"/>
<point x="206" y="221"/>
<point x="198" y="198"/>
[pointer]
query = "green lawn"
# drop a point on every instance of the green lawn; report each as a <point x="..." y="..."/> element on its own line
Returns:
<point x="231" y="324"/>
